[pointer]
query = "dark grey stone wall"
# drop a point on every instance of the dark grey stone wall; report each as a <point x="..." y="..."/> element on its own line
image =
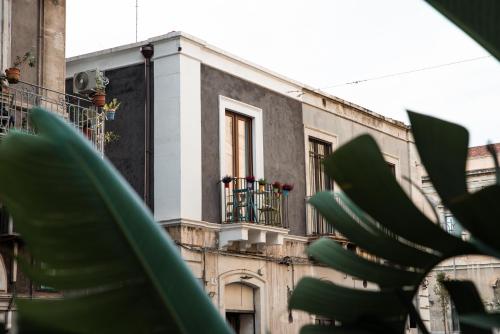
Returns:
<point x="284" y="156"/>
<point x="127" y="154"/>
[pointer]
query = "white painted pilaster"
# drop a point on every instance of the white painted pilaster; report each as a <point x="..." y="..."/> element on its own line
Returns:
<point x="167" y="135"/>
<point x="190" y="130"/>
<point x="177" y="138"/>
<point x="5" y="33"/>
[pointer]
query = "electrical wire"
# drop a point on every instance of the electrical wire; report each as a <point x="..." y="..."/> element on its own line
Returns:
<point x="396" y="74"/>
<point x="355" y="82"/>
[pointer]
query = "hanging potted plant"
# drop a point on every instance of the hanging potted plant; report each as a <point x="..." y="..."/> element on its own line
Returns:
<point x="250" y="180"/>
<point x="13" y="73"/>
<point x="262" y="185"/>
<point x="287" y="188"/>
<point x="111" y="108"/>
<point x="99" y="97"/>
<point x="227" y="180"/>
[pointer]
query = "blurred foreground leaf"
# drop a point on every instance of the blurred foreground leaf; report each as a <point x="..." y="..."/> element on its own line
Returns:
<point x="94" y="241"/>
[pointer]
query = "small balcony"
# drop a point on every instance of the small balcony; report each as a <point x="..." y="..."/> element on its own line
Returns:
<point x="253" y="213"/>
<point x="17" y="99"/>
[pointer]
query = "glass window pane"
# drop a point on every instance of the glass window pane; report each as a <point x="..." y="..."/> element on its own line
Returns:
<point x="229" y="146"/>
<point x="243" y="137"/>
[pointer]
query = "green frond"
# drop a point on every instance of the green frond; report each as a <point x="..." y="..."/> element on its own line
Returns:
<point x="94" y="241"/>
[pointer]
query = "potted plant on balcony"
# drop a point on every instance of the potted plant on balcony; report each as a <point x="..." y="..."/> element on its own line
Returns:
<point x="99" y="97"/>
<point x="110" y="137"/>
<point x="262" y="184"/>
<point x="14" y="73"/>
<point x="277" y="187"/>
<point x="227" y="180"/>
<point x="287" y="188"/>
<point x="250" y="180"/>
<point x="111" y="108"/>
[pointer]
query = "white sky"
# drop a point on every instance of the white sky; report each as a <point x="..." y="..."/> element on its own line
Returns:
<point x="323" y="43"/>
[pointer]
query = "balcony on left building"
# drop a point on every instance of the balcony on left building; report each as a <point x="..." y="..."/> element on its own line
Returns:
<point x="17" y="99"/>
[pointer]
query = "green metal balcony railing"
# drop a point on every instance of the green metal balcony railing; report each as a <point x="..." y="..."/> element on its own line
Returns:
<point x="16" y="101"/>
<point x="249" y="202"/>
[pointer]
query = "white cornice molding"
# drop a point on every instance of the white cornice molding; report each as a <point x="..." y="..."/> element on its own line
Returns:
<point x="193" y="47"/>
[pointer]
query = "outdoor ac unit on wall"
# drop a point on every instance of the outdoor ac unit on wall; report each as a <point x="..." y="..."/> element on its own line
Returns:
<point x="84" y="82"/>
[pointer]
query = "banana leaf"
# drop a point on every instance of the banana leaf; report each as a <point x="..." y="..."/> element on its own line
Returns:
<point x="479" y="19"/>
<point x="94" y="241"/>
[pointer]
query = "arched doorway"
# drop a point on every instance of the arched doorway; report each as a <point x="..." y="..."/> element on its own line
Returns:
<point x="239" y="301"/>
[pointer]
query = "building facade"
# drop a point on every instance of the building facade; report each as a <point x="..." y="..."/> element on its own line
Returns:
<point x="195" y="147"/>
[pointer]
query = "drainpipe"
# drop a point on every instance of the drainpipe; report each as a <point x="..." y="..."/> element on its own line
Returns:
<point x="147" y="52"/>
<point x="40" y="42"/>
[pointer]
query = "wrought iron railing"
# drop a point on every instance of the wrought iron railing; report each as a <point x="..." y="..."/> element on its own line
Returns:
<point x="316" y="224"/>
<point x="249" y="202"/>
<point x="16" y="101"/>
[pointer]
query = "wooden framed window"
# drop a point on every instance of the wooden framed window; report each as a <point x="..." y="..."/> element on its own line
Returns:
<point x="318" y="179"/>
<point x="238" y="145"/>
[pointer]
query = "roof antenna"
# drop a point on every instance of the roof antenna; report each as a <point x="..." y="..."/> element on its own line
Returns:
<point x="136" y="17"/>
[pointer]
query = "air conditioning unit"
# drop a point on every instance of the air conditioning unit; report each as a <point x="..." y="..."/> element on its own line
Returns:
<point x="84" y="82"/>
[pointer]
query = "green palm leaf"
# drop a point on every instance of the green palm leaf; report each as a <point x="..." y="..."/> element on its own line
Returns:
<point x="479" y="19"/>
<point x="376" y="214"/>
<point x="468" y="303"/>
<point x="94" y="241"/>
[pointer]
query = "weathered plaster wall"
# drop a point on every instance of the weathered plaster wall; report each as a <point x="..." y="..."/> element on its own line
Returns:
<point x="48" y="44"/>
<point x="54" y="44"/>
<point x="481" y="270"/>
<point x="283" y="141"/>
<point x="268" y="271"/>
<point x="24" y="25"/>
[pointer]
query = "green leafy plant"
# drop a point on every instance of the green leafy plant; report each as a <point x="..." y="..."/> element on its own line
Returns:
<point x="388" y="225"/>
<point x="443" y="297"/>
<point x="116" y="269"/>
<point x="409" y="243"/>
<point x="28" y="58"/>
<point x="101" y="82"/>
<point x="112" y="106"/>
<point x="111" y="137"/>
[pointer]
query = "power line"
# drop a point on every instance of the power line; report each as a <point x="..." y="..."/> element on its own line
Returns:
<point x="355" y="82"/>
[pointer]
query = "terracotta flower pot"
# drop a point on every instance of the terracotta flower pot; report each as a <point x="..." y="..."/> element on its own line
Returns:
<point x="99" y="99"/>
<point x="13" y="74"/>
